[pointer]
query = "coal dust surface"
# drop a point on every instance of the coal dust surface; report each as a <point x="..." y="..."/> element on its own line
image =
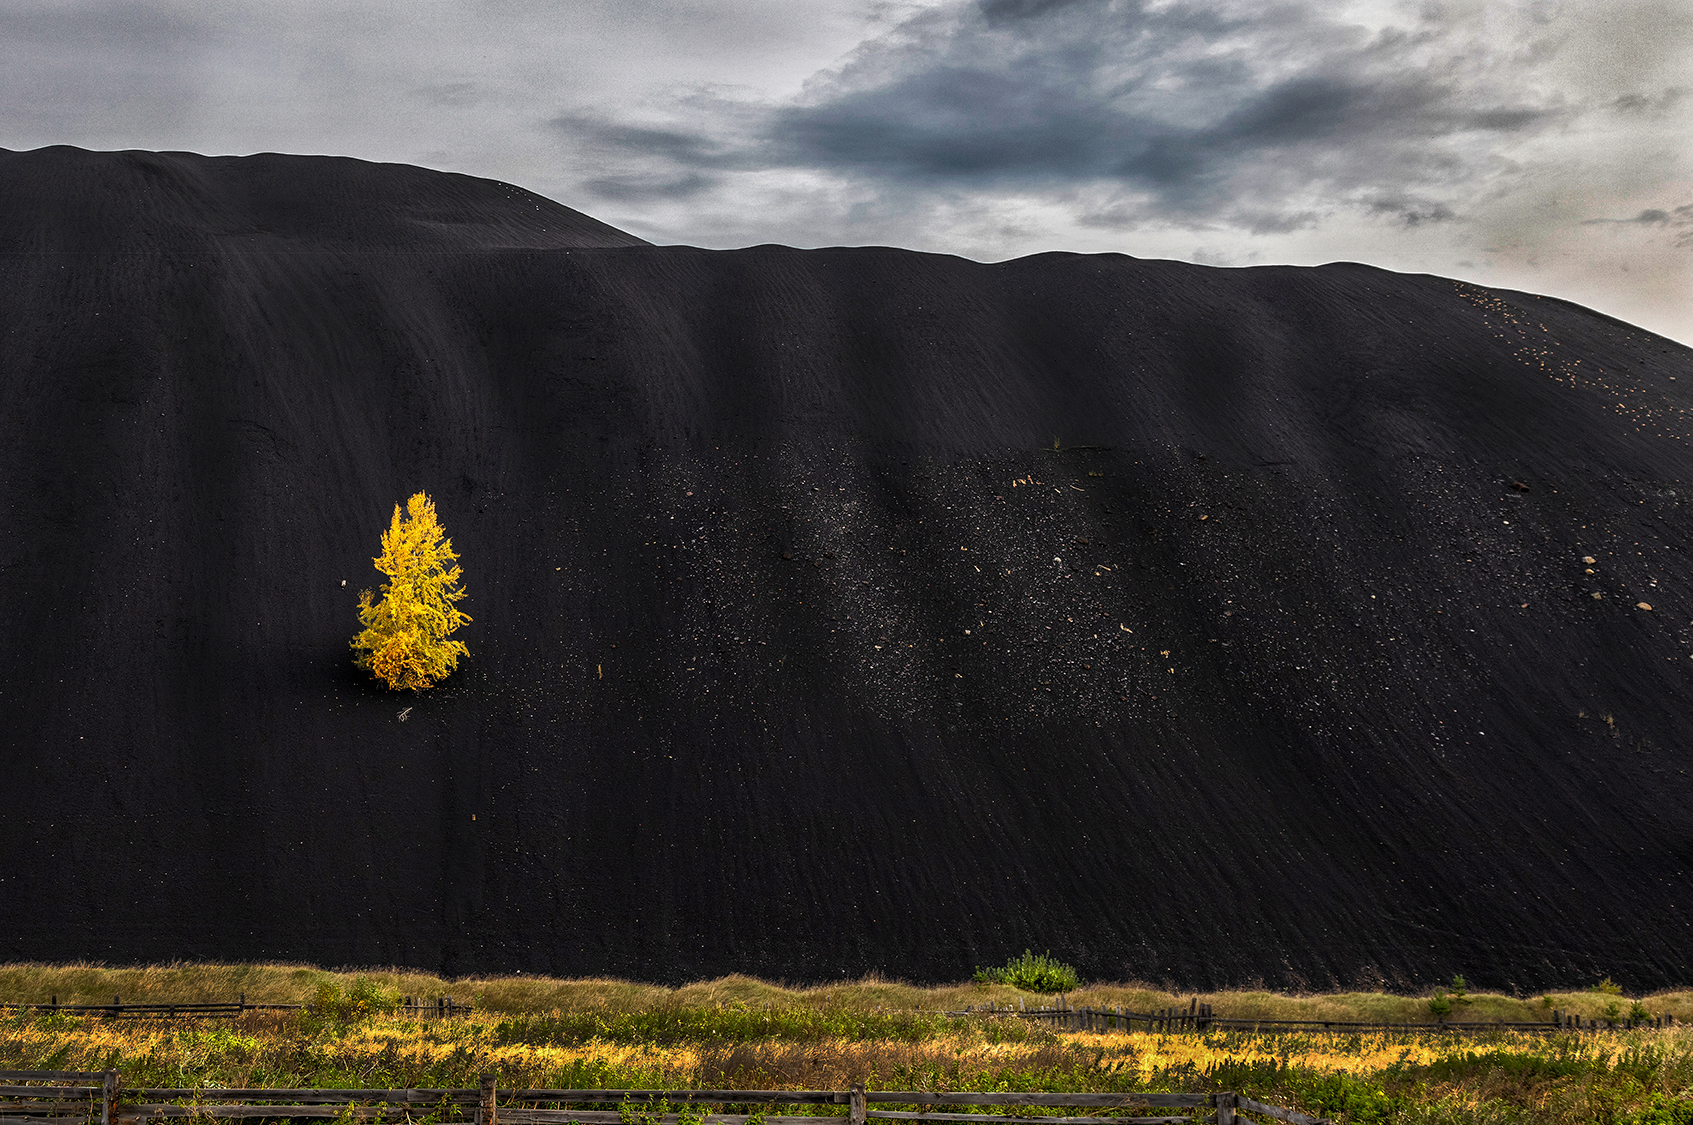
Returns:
<point x="835" y="610"/>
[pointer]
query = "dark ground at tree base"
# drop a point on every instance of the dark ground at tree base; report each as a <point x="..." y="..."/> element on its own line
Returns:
<point x="835" y="610"/>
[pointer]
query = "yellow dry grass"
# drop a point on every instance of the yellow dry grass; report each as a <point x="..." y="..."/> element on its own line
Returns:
<point x="1563" y="1080"/>
<point x="293" y="984"/>
<point x="833" y="1064"/>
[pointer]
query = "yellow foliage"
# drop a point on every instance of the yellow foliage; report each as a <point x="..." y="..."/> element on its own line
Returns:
<point x="404" y="642"/>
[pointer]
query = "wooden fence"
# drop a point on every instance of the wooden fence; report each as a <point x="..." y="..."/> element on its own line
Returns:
<point x="415" y="1006"/>
<point x="66" y="1097"/>
<point x="1200" y="1017"/>
<point x="1061" y="1016"/>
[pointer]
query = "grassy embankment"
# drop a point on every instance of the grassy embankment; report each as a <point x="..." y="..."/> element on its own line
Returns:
<point x="739" y="1032"/>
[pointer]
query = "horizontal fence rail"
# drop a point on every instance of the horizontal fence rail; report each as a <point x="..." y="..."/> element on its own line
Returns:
<point x="1200" y="1017"/>
<point x="59" y="1097"/>
<point x="1061" y="1017"/>
<point x="417" y="1007"/>
<point x="64" y="1097"/>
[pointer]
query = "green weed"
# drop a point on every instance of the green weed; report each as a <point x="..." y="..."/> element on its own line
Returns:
<point x="1036" y="972"/>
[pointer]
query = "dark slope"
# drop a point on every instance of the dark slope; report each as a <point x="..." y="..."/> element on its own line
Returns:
<point x="66" y="200"/>
<point x="800" y="649"/>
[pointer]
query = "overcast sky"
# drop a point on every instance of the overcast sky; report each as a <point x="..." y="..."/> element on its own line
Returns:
<point x="1534" y="144"/>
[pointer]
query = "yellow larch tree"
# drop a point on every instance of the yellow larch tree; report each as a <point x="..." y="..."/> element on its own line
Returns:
<point x="405" y="639"/>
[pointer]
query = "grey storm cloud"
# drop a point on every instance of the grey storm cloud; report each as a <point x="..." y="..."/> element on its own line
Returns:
<point x="1678" y="220"/>
<point x="1535" y="143"/>
<point x="1200" y="111"/>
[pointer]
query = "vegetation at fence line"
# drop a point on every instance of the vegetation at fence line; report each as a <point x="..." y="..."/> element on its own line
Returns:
<point x="1381" y="1078"/>
<point x="670" y="1024"/>
<point x="1036" y="972"/>
<point x="1440" y="1005"/>
<point x="350" y="1003"/>
<point x="404" y="642"/>
<point x="521" y="994"/>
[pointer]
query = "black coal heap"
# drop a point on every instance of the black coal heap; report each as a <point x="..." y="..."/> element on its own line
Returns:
<point x="835" y="610"/>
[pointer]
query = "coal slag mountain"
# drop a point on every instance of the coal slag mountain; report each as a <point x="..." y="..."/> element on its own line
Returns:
<point x="835" y="610"/>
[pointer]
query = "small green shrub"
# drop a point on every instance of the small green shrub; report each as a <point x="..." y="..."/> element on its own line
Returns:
<point x="1034" y="972"/>
<point x="1638" y="1013"/>
<point x="361" y="1000"/>
<point x="1460" y="995"/>
<point x="1359" y="1101"/>
<point x="1609" y="987"/>
<point x="1439" y="1004"/>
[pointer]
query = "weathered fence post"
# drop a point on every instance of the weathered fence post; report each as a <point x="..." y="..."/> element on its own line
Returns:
<point x="858" y="1112"/>
<point x="109" y="1098"/>
<point x="485" y="1104"/>
<point x="1225" y="1103"/>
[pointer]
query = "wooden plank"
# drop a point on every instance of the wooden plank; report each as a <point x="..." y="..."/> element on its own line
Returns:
<point x="1280" y="1114"/>
<point x="709" y="1097"/>
<point x="613" y="1117"/>
<point x="510" y="1116"/>
<point x="52" y="1075"/>
<point x="37" y="1091"/>
<point x="171" y="1109"/>
<point x="155" y="1009"/>
<point x="471" y="1097"/>
<point x="924" y="1097"/>
<point x="306" y="1096"/>
<point x="901" y="1115"/>
<point x="1341" y="1025"/>
<point x="18" y="1109"/>
<point x="1264" y="1028"/>
<point x="10" y="1120"/>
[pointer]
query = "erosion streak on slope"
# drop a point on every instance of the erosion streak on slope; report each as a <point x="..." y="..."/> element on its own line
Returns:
<point x="835" y="610"/>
